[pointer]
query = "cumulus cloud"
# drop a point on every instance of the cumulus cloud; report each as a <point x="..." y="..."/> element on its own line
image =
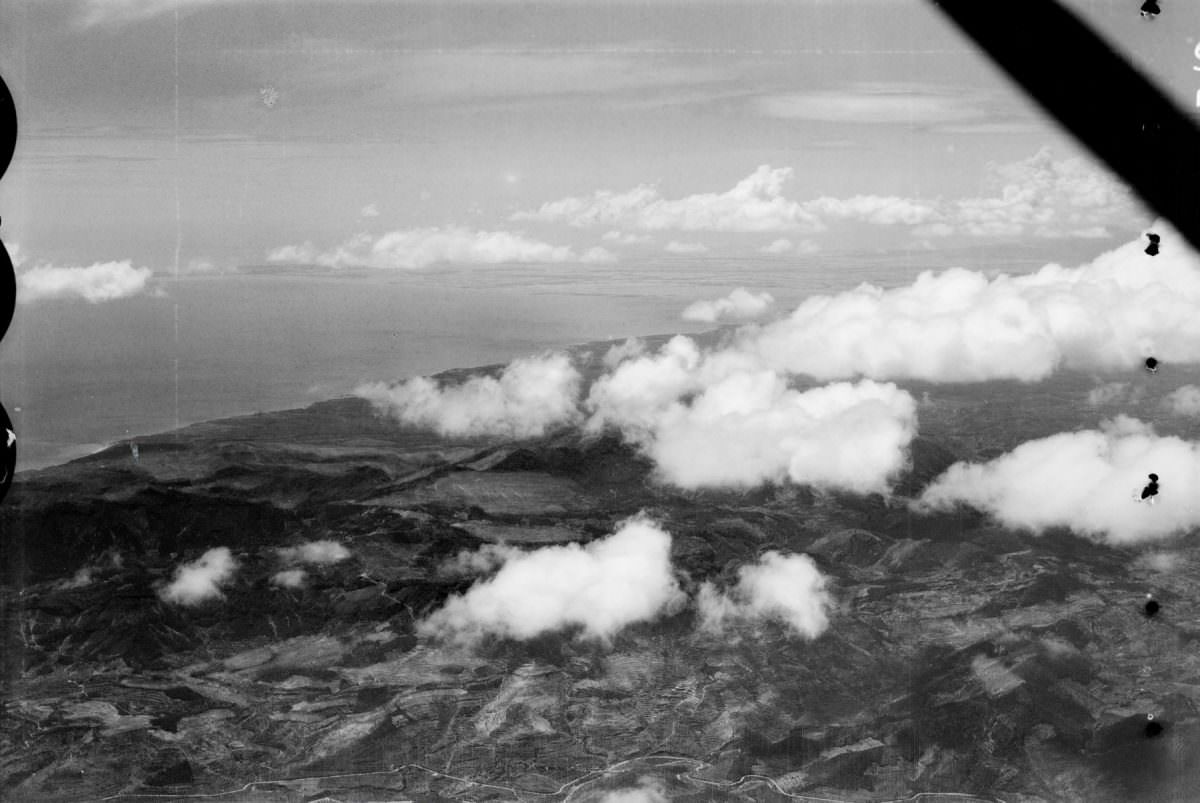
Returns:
<point x="632" y="347"/>
<point x="756" y="203"/>
<point x="419" y="248"/>
<point x="318" y="552"/>
<point x="739" y="305"/>
<point x="102" y="281"/>
<point x="787" y="588"/>
<point x="1038" y="196"/>
<point x="601" y="588"/>
<point x="289" y="578"/>
<point x="1043" y="197"/>
<point x="531" y="396"/>
<point x="786" y="246"/>
<point x="960" y="326"/>
<point x="708" y="421"/>
<point x="1088" y="481"/>
<point x="750" y="428"/>
<point x="677" y="247"/>
<point x="1184" y="401"/>
<point x="201" y="579"/>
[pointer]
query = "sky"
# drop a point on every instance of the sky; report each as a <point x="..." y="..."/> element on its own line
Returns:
<point x="198" y="135"/>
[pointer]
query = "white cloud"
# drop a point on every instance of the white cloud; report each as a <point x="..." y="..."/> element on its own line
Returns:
<point x="750" y="428"/>
<point x="958" y="325"/>
<point x="201" y="579"/>
<point x="613" y="582"/>
<point x="739" y="305"/>
<point x="785" y="246"/>
<point x="370" y="210"/>
<point x="632" y="347"/>
<point x="319" y="552"/>
<point x="787" y="588"/>
<point x="677" y="247"/>
<point x="649" y="790"/>
<point x="1088" y="481"/>
<point x="478" y="561"/>
<point x="83" y="577"/>
<point x="532" y="396"/>
<point x="756" y="203"/>
<point x="289" y="578"/>
<point x="742" y="427"/>
<point x="103" y="281"/>
<point x="419" y="248"/>
<point x="879" y="102"/>
<point x="1184" y="401"/>
<point x="1042" y="197"/>
<point x="624" y="238"/>
<point x="878" y="209"/>
<point x="1114" y="393"/>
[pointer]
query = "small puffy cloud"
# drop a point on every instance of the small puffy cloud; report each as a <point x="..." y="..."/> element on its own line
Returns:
<point x="419" y="248"/>
<point x="602" y="587"/>
<point x="786" y="246"/>
<point x="750" y="428"/>
<point x="103" y="281"/>
<point x="530" y="397"/>
<point x="370" y="210"/>
<point x="289" y="578"/>
<point x="1111" y="393"/>
<point x="756" y="203"/>
<point x="1184" y="401"/>
<point x="648" y="790"/>
<point x="677" y="247"/>
<point x="739" y="305"/>
<point x="82" y="577"/>
<point x="201" y="579"/>
<point x="787" y="588"/>
<point x="478" y="561"/>
<point x="1088" y="481"/>
<point x="318" y="552"/>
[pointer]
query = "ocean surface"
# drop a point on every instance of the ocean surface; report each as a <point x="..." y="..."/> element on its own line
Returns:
<point x="75" y="376"/>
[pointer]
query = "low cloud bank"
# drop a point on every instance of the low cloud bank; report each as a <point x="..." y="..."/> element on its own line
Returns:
<point x="419" y="248"/>
<point x="532" y="396"/>
<point x="1088" y="481"/>
<point x="603" y="587"/>
<point x="959" y="326"/>
<point x="739" y="305"/>
<point x="786" y="588"/>
<point x="201" y="579"/>
<point x="103" y="281"/>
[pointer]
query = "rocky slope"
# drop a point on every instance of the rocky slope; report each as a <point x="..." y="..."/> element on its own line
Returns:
<point x="962" y="657"/>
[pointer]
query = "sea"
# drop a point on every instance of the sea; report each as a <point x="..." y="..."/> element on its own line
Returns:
<point x="76" y="377"/>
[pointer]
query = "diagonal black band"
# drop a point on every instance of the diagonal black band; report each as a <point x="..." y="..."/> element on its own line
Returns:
<point x="1103" y="100"/>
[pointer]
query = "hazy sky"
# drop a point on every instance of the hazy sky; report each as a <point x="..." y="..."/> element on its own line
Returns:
<point x="238" y="129"/>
